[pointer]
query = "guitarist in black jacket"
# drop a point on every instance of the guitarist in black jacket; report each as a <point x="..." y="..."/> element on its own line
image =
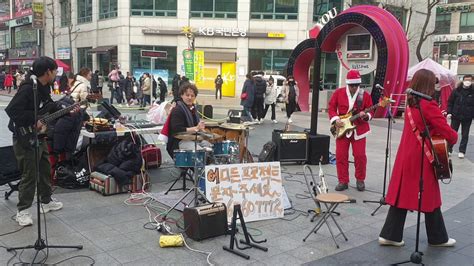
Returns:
<point x="22" y="123"/>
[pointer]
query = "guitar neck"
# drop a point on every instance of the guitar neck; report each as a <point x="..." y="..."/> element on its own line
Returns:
<point x="47" y="119"/>
<point x="373" y="107"/>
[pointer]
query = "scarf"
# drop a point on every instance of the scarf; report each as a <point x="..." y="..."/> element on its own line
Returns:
<point x="190" y="116"/>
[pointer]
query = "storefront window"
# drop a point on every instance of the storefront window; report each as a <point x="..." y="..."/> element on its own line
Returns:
<point x="107" y="9"/>
<point x="65" y="13"/>
<point x="323" y="6"/>
<point x="84" y="58"/>
<point x="84" y="11"/>
<point x="467" y="22"/>
<point x="25" y="36"/>
<point x="269" y="61"/>
<point x="274" y="9"/>
<point x="4" y="36"/>
<point x="213" y="8"/>
<point x="443" y="23"/>
<point x="159" y="8"/>
<point x="161" y="67"/>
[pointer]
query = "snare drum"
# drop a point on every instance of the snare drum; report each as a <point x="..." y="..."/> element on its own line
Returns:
<point x="227" y="147"/>
<point x="187" y="158"/>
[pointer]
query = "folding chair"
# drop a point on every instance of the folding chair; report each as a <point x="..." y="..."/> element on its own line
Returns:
<point x="333" y="199"/>
<point x="9" y="171"/>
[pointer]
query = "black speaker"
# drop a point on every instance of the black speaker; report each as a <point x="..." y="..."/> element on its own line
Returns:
<point x="205" y="221"/>
<point x="318" y="146"/>
<point x="237" y="117"/>
<point x="205" y="111"/>
<point x="291" y="146"/>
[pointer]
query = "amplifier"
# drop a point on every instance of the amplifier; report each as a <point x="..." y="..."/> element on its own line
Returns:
<point x="291" y="146"/>
<point x="237" y="117"/>
<point x="318" y="147"/>
<point x="205" y="221"/>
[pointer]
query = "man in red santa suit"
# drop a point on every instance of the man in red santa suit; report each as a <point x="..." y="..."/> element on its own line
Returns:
<point x="344" y="100"/>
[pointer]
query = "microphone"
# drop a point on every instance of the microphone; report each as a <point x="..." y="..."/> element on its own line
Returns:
<point x="418" y="94"/>
<point x="379" y="87"/>
<point x="33" y="78"/>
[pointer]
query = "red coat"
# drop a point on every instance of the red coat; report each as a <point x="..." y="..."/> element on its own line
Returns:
<point x="404" y="183"/>
<point x="8" y="80"/>
<point x="341" y="103"/>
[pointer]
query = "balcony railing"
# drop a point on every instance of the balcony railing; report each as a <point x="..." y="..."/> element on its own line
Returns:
<point x="212" y="14"/>
<point x="106" y="15"/>
<point x="153" y="13"/>
<point x="84" y="19"/>
<point x="271" y="15"/>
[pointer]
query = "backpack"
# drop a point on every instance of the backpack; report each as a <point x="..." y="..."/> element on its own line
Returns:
<point x="268" y="152"/>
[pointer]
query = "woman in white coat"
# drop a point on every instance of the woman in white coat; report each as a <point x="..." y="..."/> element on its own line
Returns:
<point x="270" y="99"/>
<point x="81" y="85"/>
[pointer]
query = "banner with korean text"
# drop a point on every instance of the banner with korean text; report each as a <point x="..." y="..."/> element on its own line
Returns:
<point x="257" y="187"/>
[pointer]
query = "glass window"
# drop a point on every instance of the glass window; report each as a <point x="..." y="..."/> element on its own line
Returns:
<point x="159" y="8"/>
<point x="323" y="6"/>
<point x="24" y="37"/>
<point x="84" y="11"/>
<point x="467" y="22"/>
<point x="140" y="64"/>
<point x="84" y="58"/>
<point x="443" y="23"/>
<point x="65" y="13"/>
<point x="398" y="12"/>
<point x="213" y="9"/>
<point x="274" y="9"/>
<point x="107" y="9"/>
<point x="4" y="37"/>
<point x="269" y="61"/>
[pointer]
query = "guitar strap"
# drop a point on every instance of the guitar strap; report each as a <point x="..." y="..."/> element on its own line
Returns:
<point x="359" y="101"/>
<point x="428" y="152"/>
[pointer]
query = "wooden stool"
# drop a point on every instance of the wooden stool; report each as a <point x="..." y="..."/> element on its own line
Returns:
<point x="333" y="199"/>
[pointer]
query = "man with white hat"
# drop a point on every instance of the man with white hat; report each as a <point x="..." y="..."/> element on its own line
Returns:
<point x="353" y="99"/>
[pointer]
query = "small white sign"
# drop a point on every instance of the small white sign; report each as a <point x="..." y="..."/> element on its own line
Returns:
<point x="257" y="187"/>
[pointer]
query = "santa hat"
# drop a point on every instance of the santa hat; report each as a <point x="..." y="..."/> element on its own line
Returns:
<point x="353" y="77"/>
<point x="165" y="131"/>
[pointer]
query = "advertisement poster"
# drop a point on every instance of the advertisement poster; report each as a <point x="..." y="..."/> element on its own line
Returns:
<point x="188" y="57"/>
<point x="257" y="187"/>
<point x="198" y="66"/>
<point x="5" y="7"/>
<point x="38" y="15"/>
<point x="163" y="73"/>
<point x="23" y="8"/>
<point x="228" y="75"/>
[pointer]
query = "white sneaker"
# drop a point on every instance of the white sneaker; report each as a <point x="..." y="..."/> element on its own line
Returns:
<point x="451" y="242"/>
<point x="290" y="121"/>
<point x="274" y="121"/>
<point x="461" y="155"/>
<point x="53" y="205"/>
<point x="24" y="218"/>
<point x="386" y="242"/>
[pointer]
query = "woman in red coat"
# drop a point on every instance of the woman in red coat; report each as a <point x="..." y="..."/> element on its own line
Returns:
<point x="8" y="83"/>
<point x="403" y="190"/>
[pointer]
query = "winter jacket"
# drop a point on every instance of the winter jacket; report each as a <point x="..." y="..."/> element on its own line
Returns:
<point x="461" y="103"/>
<point x="271" y="94"/>
<point x="260" y="87"/>
<point x="146" y="87"/>
<point x="8" y="80"/>
<point x="19" y="78"/>
<point x="94" y="82"/>
<point x="114" y="75"/>
<point x="80" y="88"/>
<point x="249" y="88"/>
<point x="285" y="91"/>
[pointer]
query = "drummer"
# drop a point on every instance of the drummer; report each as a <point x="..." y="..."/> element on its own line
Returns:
<point x="185" y="118"/>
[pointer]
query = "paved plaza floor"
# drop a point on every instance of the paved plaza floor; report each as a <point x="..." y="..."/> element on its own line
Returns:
<point x="114" y="233"/>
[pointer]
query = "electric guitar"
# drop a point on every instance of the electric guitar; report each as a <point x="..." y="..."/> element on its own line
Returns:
<point x="348" y="119"/>
<point x="27" y="133"/>
<point x="443" y="167"/>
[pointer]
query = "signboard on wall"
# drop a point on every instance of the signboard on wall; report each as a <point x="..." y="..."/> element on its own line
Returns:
<point x="63" y="53"/>
<point x="22" y="8"/>
<point x="198" y="66"/>
<point x="188" y="58"/>
<point x="38" y="15"/>
<point x="257" y="187"/>
<point x="228" y="75"/>
<point x="163" y="73"/>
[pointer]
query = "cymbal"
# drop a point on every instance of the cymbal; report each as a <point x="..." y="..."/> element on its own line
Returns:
<point x="199" y="136"/>
<point x="234" y="126"/>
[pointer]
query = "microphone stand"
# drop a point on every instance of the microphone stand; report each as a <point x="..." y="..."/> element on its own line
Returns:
<point x="40" y="243"/>
<point x="417" y="257"/>
<point x="382" y="202"/>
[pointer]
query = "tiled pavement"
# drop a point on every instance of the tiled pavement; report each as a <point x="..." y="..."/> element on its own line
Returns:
<point x="112" y="233"/>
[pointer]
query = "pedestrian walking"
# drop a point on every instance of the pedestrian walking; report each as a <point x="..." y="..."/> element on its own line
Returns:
<point x="248" y="95"/>
<point x="219" y="81"/>
<point x="9" y="80"/>
<point x="175" y="86"/>
<point x="290" y="96"/>
<point x="100" y="82"/>
<point x="146" y="90"/>
<point x="163" y="89"/>
<point x="270" y="99"/>
<point x="258" y="104"/>
<point x="81" y="85"/>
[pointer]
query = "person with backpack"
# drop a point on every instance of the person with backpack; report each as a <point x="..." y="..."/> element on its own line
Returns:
<point x="219" y="81"/>
<point x="260" y="89"/>
<point x="81" y="85"/>
<point x="351" y="98"/>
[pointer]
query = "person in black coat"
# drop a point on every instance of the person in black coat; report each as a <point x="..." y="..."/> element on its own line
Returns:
<point x="258" y="104"/>
<point x="163" y="89"/>
<point x="461" y="111"/>
<point x="248" y="95"/>
<point x="175" y="86"/>
<point x="95" y="82"/>
<point x="184" y="118"/>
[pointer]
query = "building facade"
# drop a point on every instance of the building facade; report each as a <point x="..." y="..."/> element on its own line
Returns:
<point x="231" y="37"/>
<point x="453" y="45"/>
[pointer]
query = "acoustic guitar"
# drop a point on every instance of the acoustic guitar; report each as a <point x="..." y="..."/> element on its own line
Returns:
<point x="443" y="167"/>
<point x="348" y="119"/>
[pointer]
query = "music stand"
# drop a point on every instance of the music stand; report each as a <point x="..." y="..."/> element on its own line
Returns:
<point x="40" y="243"/>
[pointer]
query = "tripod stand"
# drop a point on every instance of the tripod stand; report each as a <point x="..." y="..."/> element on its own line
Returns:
<point x="382" y="202"/>
<point x="40" y="243"/>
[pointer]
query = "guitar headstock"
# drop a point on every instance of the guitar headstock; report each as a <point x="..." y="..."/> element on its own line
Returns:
<point x="384" y="101"/>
